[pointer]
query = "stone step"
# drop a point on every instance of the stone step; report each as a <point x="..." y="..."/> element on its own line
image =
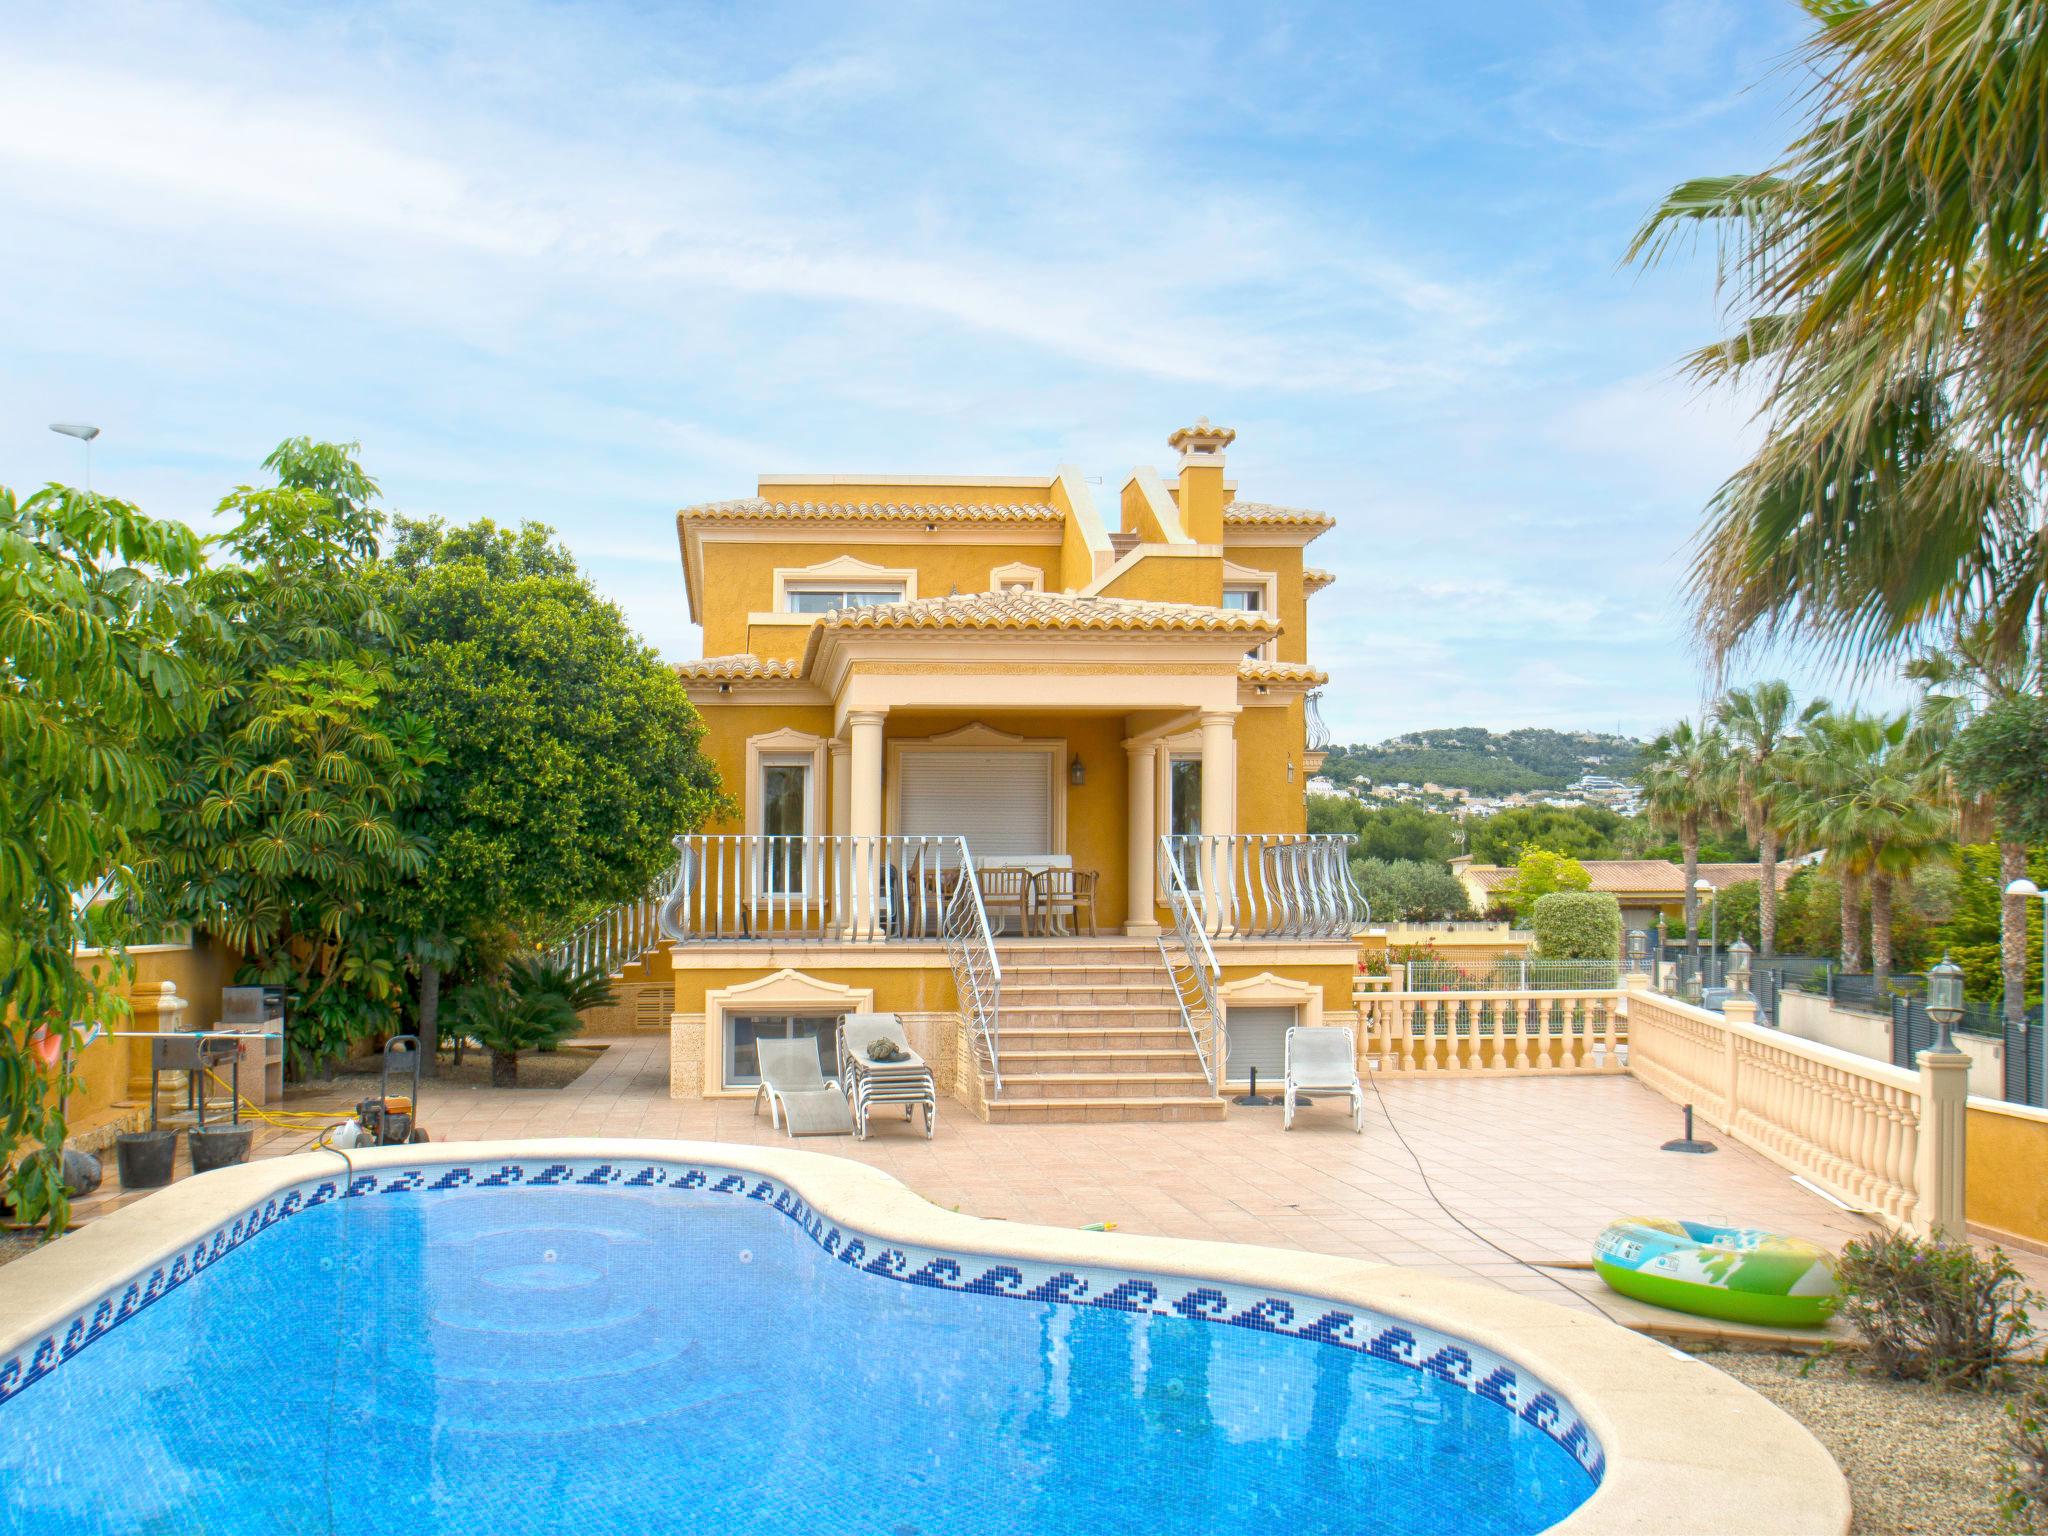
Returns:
<point x="1153" y="994"/>
<point x="1104" y="1085"/>
<point x="1085" y="1061"/>
<point x="1081" y="977"/>
<point x="1008" y="1111"/>
<point x="1130" y="956"/>
<point x="1089" y="1016"/>
<point x="1086" y="1038"/>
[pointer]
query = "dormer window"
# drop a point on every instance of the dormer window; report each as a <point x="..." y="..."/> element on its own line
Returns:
<point x="821" y="598"/>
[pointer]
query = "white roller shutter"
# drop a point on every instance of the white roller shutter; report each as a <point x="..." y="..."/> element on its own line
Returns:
<point x="1257" y="1037"/>
<point x="1001" y="802"/>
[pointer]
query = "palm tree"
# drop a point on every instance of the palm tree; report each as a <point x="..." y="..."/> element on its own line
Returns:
<point x="1869" y="790"/>
<point x="1762" y="728"/>
<point x="1683" y="778"/>
<point x="1885" y="278"/>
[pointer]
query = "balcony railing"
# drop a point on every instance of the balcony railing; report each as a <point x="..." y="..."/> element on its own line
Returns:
<point x="1318" y="733"/>
<point x="1270" y="885"/>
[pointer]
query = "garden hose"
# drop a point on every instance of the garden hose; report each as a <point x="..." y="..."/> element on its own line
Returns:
<point x="281" y="1119"/>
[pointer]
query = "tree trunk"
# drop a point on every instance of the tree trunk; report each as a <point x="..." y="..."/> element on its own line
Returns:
<point x="2012" y="930"/>
<point x="1880" y="930"/>
<point x="504" y="1069"/>
<point x="430" y="1018"/>
<point x="1852" y="922"/>
<point x="1691" y="846"/>
<point x="1767" y="890"/>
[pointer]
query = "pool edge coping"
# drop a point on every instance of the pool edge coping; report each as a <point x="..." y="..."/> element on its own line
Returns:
<point x="1689" y="1451"/>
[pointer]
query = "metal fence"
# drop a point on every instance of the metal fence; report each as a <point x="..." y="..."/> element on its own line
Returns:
<point x="2025" y="1043"/>
<point x="1509" y="974"/>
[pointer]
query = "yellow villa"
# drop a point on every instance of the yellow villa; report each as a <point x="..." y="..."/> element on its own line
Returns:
<point x="1029" y="780"/>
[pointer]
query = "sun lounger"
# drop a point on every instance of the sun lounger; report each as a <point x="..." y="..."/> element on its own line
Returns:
<point x="801" y="1099"/>
<point x="906" y="1080"/>
<point x="1323" y="1059"/>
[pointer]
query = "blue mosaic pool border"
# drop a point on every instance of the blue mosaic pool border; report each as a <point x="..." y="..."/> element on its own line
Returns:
<point x="1451" y="1360"/>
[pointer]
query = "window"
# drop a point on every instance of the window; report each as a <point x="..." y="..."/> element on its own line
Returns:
<point x="785" y="814"/>
<point x="1256" y="1036"/>
<point x="1246" y="597"/>
<point x="743" y="1030"/>
<point x="1184" y="814"/>
<point x="821" y="599"/>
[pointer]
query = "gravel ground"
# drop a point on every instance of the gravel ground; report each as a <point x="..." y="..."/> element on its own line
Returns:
<point x="1917" y="1460"/>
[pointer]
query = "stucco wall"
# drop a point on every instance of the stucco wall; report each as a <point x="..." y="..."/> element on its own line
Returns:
<point x="2007" y="1188"/>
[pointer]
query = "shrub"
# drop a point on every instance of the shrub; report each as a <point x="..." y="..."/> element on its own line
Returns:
<point x="531" y="1006"/>
<point x="2025" y="1473"/>
<point x="1538" y="872"/>
<point x="1577" y="925"/>
<point x="1935" y="1311"/>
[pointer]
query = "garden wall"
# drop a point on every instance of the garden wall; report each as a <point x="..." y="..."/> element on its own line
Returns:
<point x="2008" y="1171"/>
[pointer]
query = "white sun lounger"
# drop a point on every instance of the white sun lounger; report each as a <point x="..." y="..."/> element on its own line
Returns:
<point x="906" y="1081"/>
<point x="1323" y="1059"/>
<point x="801" y="1099"/>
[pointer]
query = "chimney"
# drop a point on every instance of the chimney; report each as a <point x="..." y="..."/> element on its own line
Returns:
<point x="1201" y="478"/>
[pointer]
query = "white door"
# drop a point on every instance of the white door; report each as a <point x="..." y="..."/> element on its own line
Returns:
<point x="1001" y="802"/>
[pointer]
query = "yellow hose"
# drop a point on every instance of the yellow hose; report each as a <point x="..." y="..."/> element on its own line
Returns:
<point x="279" y="1119"/>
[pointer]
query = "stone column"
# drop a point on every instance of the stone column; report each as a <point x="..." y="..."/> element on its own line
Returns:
<point x="1141" y="916"/>
<point x="1219" y="819"/>
<point x="1938" y="1181"/>
<point x="864" y="815"/>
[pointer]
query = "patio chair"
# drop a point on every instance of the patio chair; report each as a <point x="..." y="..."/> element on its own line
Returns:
<point x="801" y="1099"/>
<point x="1323" y="1059"/>
<point x="907" y="1080"/>
<point x="1059" y="894"/>
<point x="1006" y="891"/>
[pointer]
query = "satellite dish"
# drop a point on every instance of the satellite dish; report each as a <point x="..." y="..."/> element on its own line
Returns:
<point x="78" y="429"/>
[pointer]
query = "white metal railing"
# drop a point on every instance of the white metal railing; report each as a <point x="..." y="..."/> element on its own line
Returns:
<point x="837" y="888"/>
<point x="1191" y="962"/>
<point x="615" y="938"/>
<point x="1269" y="885"/>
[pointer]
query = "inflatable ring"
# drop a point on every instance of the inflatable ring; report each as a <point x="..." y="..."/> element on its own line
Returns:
<point x="1734" y="1273"/>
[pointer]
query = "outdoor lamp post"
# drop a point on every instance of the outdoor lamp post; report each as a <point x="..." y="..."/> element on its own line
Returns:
<point x="1738" y="970"/>
<point x="1638" y="951"/>
<point x="1945" y="1003"/>
<point x="2023" y="888"/>
<point x="1703" y="888"/>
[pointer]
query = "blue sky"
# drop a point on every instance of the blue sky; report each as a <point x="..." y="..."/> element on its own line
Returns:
<point x="589" y="263"/>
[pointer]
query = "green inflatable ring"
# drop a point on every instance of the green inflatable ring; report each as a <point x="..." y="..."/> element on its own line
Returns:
<point x="1734" y="1273"/>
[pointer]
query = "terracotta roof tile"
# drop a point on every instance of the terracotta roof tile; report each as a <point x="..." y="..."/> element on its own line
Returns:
<point x="1315" y="578"/>
<point x="1637" y="877"/>
<point x="1251" y="671"/>
<point x="1048" y="610"/>
<point x="742" y="667"/>
<point x="1257" y="513"/>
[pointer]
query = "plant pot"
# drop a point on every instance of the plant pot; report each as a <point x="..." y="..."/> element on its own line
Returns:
<point x="145" y="1158"/>
<point x="218" y="1146"/>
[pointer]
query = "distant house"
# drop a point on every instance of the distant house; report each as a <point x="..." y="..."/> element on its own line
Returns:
<point x="1648" y="889"/>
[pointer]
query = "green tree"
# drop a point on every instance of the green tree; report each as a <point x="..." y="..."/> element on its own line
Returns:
<point x="529" y="1004"/>
<point x="1887" y="293"/>
<point x="569" y="749"/>
<point x="1410" y="890"/>
<point x="286" y="818"/>
<point x="1684" y="778"/>
<point x="1537" y="874"/>
<point x="96" y="629"/>
<point x="1761" y="726"/>
<point x="1583" y="831"/>
<point x="1974" y="933"/>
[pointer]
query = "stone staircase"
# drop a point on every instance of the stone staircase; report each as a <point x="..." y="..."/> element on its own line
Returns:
<point x="1091" y="1031"/>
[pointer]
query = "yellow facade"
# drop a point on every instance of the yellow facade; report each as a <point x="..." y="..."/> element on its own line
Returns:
<point x="2006" y="1190"/>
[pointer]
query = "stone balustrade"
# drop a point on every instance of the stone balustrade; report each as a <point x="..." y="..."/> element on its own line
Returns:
<point x="1491" y="1033"/>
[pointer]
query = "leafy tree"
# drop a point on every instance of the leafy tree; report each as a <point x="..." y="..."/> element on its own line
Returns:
<point x="1736" y="912"/>
<point x="569" y="749"/>
<point x="1684" y="779"/>
<point x="1974" y="933"/>
<point x="530" y="1004"/>
<point x="1410" y="890"/>
<point x="285" y="825"/>
<point x="1538" y="873"/>
<point x="1577" y="925"/>
<point x="1886" y="278"/>
<point x="1393" y="832"/>
<point x="95" y="632"/>
<point x="1761" y="726"/>
<point x="1582" y="831"/>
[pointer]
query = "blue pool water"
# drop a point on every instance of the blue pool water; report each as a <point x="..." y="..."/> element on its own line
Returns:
<point x="614" y="1361"/>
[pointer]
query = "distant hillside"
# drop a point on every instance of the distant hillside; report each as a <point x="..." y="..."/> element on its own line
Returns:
<point x="1474" y="758"/>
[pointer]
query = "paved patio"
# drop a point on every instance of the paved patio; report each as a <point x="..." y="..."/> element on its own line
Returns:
<point x="1537" y="1165"/>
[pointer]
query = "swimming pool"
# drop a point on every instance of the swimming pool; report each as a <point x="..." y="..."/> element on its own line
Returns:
<point x="525" y="1344"/>
<point x="697" y="1338"/>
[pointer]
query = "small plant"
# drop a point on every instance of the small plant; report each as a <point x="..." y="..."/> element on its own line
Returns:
<point x="2024" y="1501"/>
<point x="1935" y="1311"/>
<point x="532" y="1005"/>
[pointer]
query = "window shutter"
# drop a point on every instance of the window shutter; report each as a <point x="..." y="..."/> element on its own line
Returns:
<point x="1257" y="1037"/>
<point x="1001" y="802"/>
